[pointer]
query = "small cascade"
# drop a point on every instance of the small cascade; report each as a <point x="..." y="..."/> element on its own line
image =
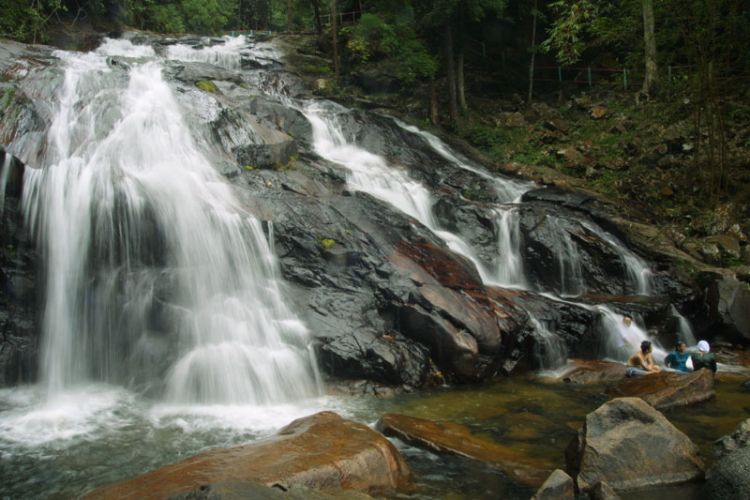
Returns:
<point x="621" y="340"/>
<point x="684" y="329"/>
<point x="637" y="269"/>
<point x="226" y="55"/>
<point x="549" y="350"/>
<point x="155" y="273"/>
<point x="509" y="271"/>
<point x="569" y="268"/>
<point x="370" y="173"/>
<point x="4" y="177"/>
<point x="508" y="190"/>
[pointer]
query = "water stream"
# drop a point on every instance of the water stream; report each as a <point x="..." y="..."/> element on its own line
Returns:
<point x="166" y="326"/>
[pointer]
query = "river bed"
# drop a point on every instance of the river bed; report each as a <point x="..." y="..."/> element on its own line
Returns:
<point x="102" y="434"/>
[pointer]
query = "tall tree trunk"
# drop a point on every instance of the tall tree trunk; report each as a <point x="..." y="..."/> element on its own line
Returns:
<point x="289" y="5"/>
<point x="433" y="102"/>
<point x="335" y="37"/>
<point x="316" y="16"/>
<point x="649" y="39"/>
<point x="460" y="83"/>
<point x="450" y="71"/>
<point x="534" y="13"/>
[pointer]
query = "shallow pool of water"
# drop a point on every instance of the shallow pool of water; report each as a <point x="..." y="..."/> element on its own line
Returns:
<point x="101" y="434"/>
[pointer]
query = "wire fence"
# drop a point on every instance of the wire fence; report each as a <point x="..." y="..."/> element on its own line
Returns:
<point x="590" y="76"/>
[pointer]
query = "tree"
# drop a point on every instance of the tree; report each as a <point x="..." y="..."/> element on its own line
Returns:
<point x="649" y="42"/>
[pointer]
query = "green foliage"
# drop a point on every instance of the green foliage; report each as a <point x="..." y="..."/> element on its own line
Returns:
<point x="396" y="43"/>
<point x="205" y="16"/>
<point x="568" y="32"/>
<point x="166" y="18"/>
<point x="25" y="21"/>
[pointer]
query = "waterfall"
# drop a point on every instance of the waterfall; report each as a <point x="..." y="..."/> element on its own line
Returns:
<point x="637" y="269"/>
<point x="621" y="340"/>
<point x="549" y="350"/>
<point x="569" y="267"/>
<point x="226" y="55"/>
<point x="684" y="329"/>
<point x="154" y="271"/>
<point x="4" y="177"/>
<point x="509" y="271"/>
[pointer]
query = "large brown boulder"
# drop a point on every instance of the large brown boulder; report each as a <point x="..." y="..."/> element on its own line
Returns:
<point x="322" y="451"/>
<point x="449" y="437"/>
<point x="594" y="372"/>
<point x="665" y="390"/>
<point x="629" y="444"/>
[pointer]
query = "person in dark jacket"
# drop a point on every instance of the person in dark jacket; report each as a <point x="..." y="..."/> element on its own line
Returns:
<point x="677" y="359"/>
<point x="703" y="358"/>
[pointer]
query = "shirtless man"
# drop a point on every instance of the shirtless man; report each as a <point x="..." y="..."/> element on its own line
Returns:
<point x="642" y="362"/>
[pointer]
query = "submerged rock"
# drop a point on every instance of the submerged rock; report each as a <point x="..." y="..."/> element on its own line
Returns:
<point x="449" y="437"/>
<point x="629" y="444"/>
<point x="665" y="390"/>
<point x="558" y="486"/>
<point x="322" y="451"/>
<point x="729" y="477"/>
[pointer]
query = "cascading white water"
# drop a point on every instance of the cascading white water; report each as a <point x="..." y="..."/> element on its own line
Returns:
<point x="509" y="271"/>
<point x="4" y="176"/>
<point x="370" y="173"/>
<point x="621" y="340"/>
<point x="637" y="269"/>
<point x="226" y="55"/>
<point x="550" y="350"/>
<point x="684" y="329"/>
<point x="508" y="190"/>
<point x="569" y="268"/>
<point x="153" y="270"/>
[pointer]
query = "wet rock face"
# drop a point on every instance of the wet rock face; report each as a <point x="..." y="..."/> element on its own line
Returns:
<point x="667" y="390"/>
<point x="729" y="477"/>
<point x="19" y="328"/>
<point x="452" y="438"/>
<point x="727" y="301"/>
<point x="558" y="486"/>
<point x="629" y="445"/>
<point x="322" y="452"/>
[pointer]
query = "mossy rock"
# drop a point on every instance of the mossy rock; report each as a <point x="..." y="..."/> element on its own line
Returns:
<point x="207" y="86"/>
<point x="327" y="243"/>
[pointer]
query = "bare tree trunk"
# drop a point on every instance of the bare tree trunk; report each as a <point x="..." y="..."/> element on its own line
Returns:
<point x="335" y="36"/>
<point x="460" y="56"/>
<point x="316" y="15"/>
<point x="649" y="39"/>
<point x="534" y="13"/>
<point x="433" y="103"/>
<point x="460" y="84"/>
<point x="450" y="71"/>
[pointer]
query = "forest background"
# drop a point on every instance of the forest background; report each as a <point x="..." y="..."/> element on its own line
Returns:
<point x="642" y="101"/>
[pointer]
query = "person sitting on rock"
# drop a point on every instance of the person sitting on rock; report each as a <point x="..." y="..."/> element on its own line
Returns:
<point x="703" y="358"/>
<point x="642" y="362"/>
<point x="677" y="359"/>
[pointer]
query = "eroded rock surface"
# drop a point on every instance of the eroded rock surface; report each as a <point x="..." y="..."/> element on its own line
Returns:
<point x="629" y="444"/>
<point x="729" y="477"/>
<point x="665" y="390"/>
<point x="449" y="437"/>
<point x="322" y="451"/>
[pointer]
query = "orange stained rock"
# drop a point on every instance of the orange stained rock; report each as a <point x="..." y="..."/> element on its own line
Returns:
<point x="450" y="437"/>
<point x="322" y="451"/>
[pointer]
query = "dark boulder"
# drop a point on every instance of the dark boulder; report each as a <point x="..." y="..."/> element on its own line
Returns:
<point x="727" y="302"/>
<point x="729" y="477"/>
<point x="19" y="289"/>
